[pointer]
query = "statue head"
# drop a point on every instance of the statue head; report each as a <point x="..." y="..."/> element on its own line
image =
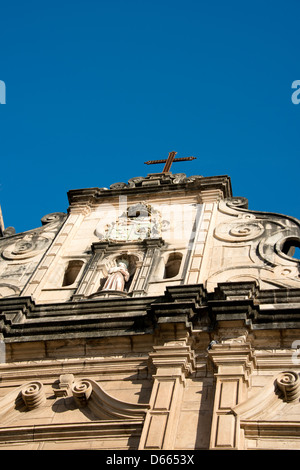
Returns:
<point x="123" y="262"/>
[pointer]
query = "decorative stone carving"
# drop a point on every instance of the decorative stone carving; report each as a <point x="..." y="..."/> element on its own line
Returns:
<point x="288" y="383"/>
<point x="139" y="222"/>
<point x="82" y="390"/>
<point x="53" y="218"/>
<point x="254" y="245"/>
<point x="118" y="186"/>
<point x="179" y="178"/>
<point x="63" y="387"/>
<point x="272" y="412"/>
<point x="240" y="231"/>
<point x="133" y="182"/>
<point x="117" y="276"/>
<point x="33" y="394"/>
<point x="237" y="202"/>
<point x="21" y="253"/>
<point x="9" y="231"/>
<point x="34" y="242"/>
<point x="29" y="246"/>
<point x="156" y="179"/>
<point x="87" y="392"/>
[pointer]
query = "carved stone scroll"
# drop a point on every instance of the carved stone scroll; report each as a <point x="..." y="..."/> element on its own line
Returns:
<point x="33" y="394"/>
<point x="288" y="383"/>
<point x="82" y="391"/>
<point x="87" y="392"/>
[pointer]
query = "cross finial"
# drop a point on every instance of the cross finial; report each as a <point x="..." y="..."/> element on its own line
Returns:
<point x="168" y="162"/>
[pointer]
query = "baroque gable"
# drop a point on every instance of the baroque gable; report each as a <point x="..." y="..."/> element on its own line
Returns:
<point x="254" y="246"/>
<point x="21" y="253"/>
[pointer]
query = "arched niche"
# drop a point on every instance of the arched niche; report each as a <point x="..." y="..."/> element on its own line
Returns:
<point x="173" y="264"/>
<point x="131" y="261"/>
<point x="140" y="255"/>
<point x="72" y="271"/>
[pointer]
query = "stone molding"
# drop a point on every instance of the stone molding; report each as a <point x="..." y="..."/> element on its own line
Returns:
<point x="21" y="319"/>
<point x="62" y="434"/>
<point x="218" y="187"/>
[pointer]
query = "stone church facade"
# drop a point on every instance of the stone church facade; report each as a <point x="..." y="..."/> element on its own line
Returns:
<point x="156" y="314"/>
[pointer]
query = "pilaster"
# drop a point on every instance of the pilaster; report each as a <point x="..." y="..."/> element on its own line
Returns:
<point x="47" y="266"/>
<point x="234" y="363"/>
<point x="173" y="362"/>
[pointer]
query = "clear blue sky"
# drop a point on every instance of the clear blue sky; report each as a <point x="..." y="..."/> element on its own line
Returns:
<point x="95" y="88"/>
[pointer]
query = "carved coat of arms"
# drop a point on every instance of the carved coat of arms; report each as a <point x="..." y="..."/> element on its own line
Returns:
<point x="138" y="222"/>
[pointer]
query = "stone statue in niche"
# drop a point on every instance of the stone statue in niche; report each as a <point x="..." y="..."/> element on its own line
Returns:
<point x="117" y="276"/>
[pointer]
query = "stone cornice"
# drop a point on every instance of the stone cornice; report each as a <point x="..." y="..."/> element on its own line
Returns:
<point x="62" y="431"/>
<point x="221" y="185"/>
<point x="240" y="304"/>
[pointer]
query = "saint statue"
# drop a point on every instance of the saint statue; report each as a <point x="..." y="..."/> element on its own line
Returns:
<point x="117" y="277"/>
